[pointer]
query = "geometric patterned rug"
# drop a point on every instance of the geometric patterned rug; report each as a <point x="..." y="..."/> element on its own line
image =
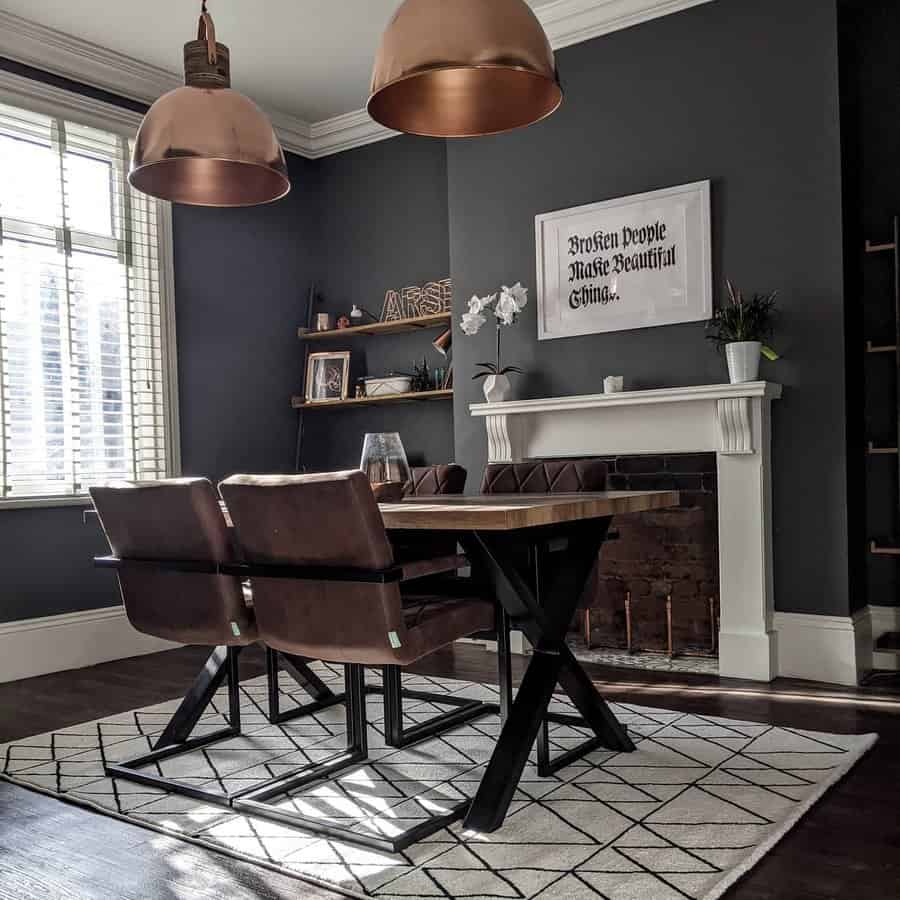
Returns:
<point x="699" y="802"/>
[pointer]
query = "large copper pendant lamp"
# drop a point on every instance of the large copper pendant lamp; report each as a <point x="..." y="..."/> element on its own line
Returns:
<point x="462" y="68"/>
<point x="205" y="144"/>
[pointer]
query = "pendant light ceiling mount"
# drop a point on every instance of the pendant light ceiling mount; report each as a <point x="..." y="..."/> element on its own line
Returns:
<point x="205" y="144"/>
<point x="463" y="69"/>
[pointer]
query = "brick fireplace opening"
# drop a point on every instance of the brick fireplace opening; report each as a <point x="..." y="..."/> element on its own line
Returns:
<point x="664" y="566"/>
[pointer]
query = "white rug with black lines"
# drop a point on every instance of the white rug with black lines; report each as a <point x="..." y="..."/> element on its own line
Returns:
<point x="700" y="801"/>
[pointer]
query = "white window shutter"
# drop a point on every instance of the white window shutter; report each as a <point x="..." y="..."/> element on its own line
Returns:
<point x="83" y="363"/>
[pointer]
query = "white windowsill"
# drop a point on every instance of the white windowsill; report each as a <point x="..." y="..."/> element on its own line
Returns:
<point x="45" y="502"/>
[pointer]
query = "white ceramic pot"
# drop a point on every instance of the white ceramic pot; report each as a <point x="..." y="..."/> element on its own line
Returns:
<point x="497" y="388"/>
<point x="743" y="361"/>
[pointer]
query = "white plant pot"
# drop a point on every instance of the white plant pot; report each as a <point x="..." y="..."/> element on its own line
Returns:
<point x="743" y="361"/>
<point x="497" y="388"/>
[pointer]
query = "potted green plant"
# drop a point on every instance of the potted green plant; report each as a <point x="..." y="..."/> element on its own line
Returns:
<point x="742" y="327"/>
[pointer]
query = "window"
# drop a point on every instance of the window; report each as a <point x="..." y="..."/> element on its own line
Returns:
<point x="84" y="328"/>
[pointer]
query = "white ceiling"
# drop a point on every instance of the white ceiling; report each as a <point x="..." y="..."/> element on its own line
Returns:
<point x="309" y="58"/>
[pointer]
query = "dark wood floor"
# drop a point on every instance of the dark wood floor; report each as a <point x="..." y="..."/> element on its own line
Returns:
<point x="847" y="847"/>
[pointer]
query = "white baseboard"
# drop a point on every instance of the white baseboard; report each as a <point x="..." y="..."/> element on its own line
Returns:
<point x="70" y="641"/>
<point x="884" y="619"/>
<point x="821" y="648"/>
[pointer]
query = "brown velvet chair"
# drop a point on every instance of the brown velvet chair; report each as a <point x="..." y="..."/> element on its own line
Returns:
<point x="179" y="523"/>
<point x="340" y="601"/>
<point x="429" y="481"/>
<point x="180" y="580"/>
<point x="432" y="481"/>
<point x="550" y="476"/>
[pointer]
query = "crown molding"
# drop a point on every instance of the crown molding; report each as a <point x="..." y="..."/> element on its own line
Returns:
<point x="344" y="132"/>
<point x="295" y="134"/>
<point x="54" y="101"/>
<point x="570" y="22"/>
<point x="70" y="57"/>
<point x="566" y="22"/>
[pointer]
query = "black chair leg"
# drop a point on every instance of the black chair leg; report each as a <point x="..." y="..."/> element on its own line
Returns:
<point x="396" y="735"/>
<point x="298" y="668"/>
<point x="222" y="663"/>
<point x="260" y="801"/>
<point x="176" y="740"/>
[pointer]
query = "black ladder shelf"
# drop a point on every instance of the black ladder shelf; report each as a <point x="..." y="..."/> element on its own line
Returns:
<point x="889" y="642"/>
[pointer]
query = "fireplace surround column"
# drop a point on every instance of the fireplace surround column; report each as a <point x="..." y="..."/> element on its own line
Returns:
<point x="732" y="420"/>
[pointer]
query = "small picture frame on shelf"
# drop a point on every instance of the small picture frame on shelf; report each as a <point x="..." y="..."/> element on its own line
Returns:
<point x="327" y="376"/>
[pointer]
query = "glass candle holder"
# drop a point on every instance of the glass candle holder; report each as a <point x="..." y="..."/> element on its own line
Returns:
<point x="384" y="459"/>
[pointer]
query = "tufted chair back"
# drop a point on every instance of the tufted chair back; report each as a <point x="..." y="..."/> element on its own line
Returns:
<point x="430" y="481"/>
<point x="550" y="476"/>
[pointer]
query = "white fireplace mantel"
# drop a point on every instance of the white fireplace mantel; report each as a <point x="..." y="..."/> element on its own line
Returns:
<point x="732" y="420"/>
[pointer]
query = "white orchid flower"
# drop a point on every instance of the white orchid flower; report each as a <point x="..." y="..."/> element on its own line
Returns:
<point x="479" y="304"/>
<point x="519" y="293"/>
<point x="471" y="322"/>
<point x="506" y="308"/>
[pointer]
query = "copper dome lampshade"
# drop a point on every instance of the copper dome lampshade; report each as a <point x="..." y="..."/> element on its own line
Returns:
<point x="463" y="68"/>
<point x="205" y="144"/>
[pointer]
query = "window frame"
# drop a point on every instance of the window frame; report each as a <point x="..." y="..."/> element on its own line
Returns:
<point x="49" y="100"/>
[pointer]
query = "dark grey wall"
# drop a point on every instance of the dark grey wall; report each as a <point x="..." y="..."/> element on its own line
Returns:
<point x="46" y="564"/>
<point x="743" y="92"/>
<point x="241" y="283"/>
<point x="382" y="223"/>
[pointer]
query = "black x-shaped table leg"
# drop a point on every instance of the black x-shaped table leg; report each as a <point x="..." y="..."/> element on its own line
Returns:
<point x="543" y="612"/>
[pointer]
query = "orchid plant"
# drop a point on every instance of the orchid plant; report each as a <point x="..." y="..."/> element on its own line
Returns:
<point x="506" y="305"/>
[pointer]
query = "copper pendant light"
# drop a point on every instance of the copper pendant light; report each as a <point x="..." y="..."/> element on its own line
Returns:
<point x="205" y="144"/>
<point x="463" y="68"/>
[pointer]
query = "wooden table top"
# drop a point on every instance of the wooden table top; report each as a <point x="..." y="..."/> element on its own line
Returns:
<point x="505" y="512"/>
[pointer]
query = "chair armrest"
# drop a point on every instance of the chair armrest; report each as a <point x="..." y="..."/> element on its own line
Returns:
<point x="421" y="568"/>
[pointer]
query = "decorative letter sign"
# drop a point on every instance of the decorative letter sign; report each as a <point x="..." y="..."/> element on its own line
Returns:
<point x="414" y="302"/>
<point x="629" y="263"/>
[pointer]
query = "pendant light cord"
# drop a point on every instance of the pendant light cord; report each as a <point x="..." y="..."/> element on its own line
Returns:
<point x="207" y="31"/>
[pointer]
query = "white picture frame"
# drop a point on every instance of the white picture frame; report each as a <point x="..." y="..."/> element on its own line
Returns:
<point x="633" y="262"/>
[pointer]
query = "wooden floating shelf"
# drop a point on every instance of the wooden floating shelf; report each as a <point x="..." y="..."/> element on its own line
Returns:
<point x="414" y="397"/>
<point x="881" y="451"/>
<point x="884" y="549"/>
<point x="398" y="326"/>
<point x="879" y="248"/>
<point x="880" y="348"/>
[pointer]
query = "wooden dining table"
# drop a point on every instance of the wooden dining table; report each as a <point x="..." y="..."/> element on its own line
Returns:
<point x="536" y="552"/>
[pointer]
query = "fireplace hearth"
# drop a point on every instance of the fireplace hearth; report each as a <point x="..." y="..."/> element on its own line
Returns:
<point x="656" y="589"/>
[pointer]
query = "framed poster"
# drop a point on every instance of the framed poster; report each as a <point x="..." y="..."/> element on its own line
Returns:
<point x="634" y="262"/>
